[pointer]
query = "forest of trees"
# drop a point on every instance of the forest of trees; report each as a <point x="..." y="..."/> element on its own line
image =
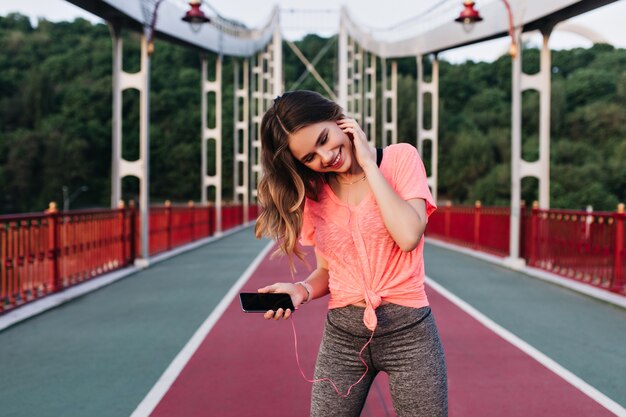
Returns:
<point x="55" y="119"/>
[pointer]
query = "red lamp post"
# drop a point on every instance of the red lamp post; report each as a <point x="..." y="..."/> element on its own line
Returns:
<point x="195" y="16"/>
<point x="469" y="16"/>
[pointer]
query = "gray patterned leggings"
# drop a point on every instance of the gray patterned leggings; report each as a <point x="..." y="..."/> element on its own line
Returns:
<point x="405" y="345"/>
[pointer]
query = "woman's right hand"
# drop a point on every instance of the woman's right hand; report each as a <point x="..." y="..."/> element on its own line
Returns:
<point x="296" y="292"/>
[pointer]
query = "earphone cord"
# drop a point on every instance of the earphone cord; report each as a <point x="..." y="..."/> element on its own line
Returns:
<point x="344" y="395"/>
<point x="295" y="336"/>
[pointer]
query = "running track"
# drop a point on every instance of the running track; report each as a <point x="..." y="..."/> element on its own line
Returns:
<point x="246" y="366"/>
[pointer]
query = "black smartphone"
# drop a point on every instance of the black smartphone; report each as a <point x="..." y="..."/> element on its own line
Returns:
<point x="255" y="302"/>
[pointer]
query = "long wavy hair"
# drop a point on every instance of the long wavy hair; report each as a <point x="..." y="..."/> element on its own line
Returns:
<point x="286" y="181"/>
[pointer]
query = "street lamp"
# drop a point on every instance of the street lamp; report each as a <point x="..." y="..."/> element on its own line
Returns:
<point x="469" y="16"/>
<point x="67" y="200"/>
<point x="194" y="16"/>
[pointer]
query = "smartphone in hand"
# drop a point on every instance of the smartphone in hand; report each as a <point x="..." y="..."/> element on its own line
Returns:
<point x="255" y="302"/>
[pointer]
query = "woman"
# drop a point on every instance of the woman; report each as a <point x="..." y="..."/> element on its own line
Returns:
<point x="364" y="210"/>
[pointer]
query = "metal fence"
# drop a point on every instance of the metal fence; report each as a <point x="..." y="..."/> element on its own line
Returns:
<point x="585" y="246"/>
<point x="43" y="253"/>
<point x="480" y="228"/>
<point x="588" y="247"/>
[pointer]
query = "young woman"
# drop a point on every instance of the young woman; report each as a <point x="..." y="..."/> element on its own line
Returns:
<point x="364" y="210"/>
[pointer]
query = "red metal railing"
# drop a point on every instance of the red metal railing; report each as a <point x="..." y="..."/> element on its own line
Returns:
<point x="45" y="253"/>
<point x="42" y="253"/>
<point x="480" y="228"/>
<point x="27" y="270"/>
<point x="232" y="215"/>
<point x="588" y="247"/>
<point x="173" y="226"/>
<point x="253" y="211"/>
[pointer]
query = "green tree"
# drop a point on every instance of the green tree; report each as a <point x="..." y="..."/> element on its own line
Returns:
<point x="55" y="118"/>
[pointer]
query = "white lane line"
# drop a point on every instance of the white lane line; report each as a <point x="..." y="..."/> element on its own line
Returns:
<point x="168" y="377"/>
<point x="568" y="376"/>
<point x="569" y="283"/>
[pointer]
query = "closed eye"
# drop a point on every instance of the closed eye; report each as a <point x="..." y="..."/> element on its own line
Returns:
<point x="322" y="139"/>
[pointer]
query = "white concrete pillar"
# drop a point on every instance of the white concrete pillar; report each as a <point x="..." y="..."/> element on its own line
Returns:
<point x="277" y="67"/>
<point x="514" y="260"/>
<point x="116" y="134"/>
<point x="342" y="88"/>
<point x="241" y="135"/>
<point x="389" y="102"/>
<point x="431" y="134"/>
<point x="212" y="133"/>
<point x="357" y="83"/>
<point x="369" y="108"/>
<point x="541" y="82"/>
<point x="139" y="168"/>
<point x="257" y="110"/>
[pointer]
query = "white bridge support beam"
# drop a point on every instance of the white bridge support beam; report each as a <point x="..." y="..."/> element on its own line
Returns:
<point x="241" y="137"/>
<point x="267" y="84"/>
<point x="277" y="63"/>
<point x="369" y="108"/>
<point x="274" y="69"/>
<point x="541" y="82"/>
<point x="349" y="109"/>
<point x="257" y="109"/>
<point x="355" y="81"/>
<point x="519" y="167"/>
<point x="342" y="79"/>
<point x="357" y="85"/>
<point x="514" y="259"/>
<point x="139" y="168"/>
<point x="389" y="102"/>
<point x="116" y="179"/>
<point x="432" y="133"/>
<point x="212" y="133"/>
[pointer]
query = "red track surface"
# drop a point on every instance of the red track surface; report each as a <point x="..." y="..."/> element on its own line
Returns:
<point x="246" y="366"/>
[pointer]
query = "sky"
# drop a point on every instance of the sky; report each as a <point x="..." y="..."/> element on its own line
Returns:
<point x="607" y="20"/>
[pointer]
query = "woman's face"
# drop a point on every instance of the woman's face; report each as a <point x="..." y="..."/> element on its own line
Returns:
<point x="322" y="147"/>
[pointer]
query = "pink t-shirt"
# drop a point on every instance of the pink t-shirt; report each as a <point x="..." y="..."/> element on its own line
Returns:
<point x="364" y="262"/>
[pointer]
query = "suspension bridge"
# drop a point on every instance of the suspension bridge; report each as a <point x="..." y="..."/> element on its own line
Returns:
<point x="132" y="310"/>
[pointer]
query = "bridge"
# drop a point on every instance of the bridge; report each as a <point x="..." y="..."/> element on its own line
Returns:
<point x="529" y="300"/>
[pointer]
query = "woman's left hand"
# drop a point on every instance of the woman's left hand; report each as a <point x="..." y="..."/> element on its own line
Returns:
<point x="361" y="147"/>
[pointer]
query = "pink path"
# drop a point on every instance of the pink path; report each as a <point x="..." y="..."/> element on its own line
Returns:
<point x="246" y="366"/>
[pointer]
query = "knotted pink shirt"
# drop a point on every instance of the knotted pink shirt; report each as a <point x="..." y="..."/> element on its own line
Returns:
<point x="364" y="262"/>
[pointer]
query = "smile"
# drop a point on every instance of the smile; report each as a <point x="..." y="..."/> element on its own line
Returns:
<point x="336" y="163"/>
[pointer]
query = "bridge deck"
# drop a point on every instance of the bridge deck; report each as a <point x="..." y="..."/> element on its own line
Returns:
<point x="104" y="354"/>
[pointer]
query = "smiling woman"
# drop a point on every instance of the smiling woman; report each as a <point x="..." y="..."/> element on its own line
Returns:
<point x="287" y="180"/>
<point x="325" y="147"/>
<point x="365" y="215"/>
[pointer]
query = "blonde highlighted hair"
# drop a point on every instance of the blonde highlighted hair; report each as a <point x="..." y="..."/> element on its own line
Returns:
<point x="286" y="182"/>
